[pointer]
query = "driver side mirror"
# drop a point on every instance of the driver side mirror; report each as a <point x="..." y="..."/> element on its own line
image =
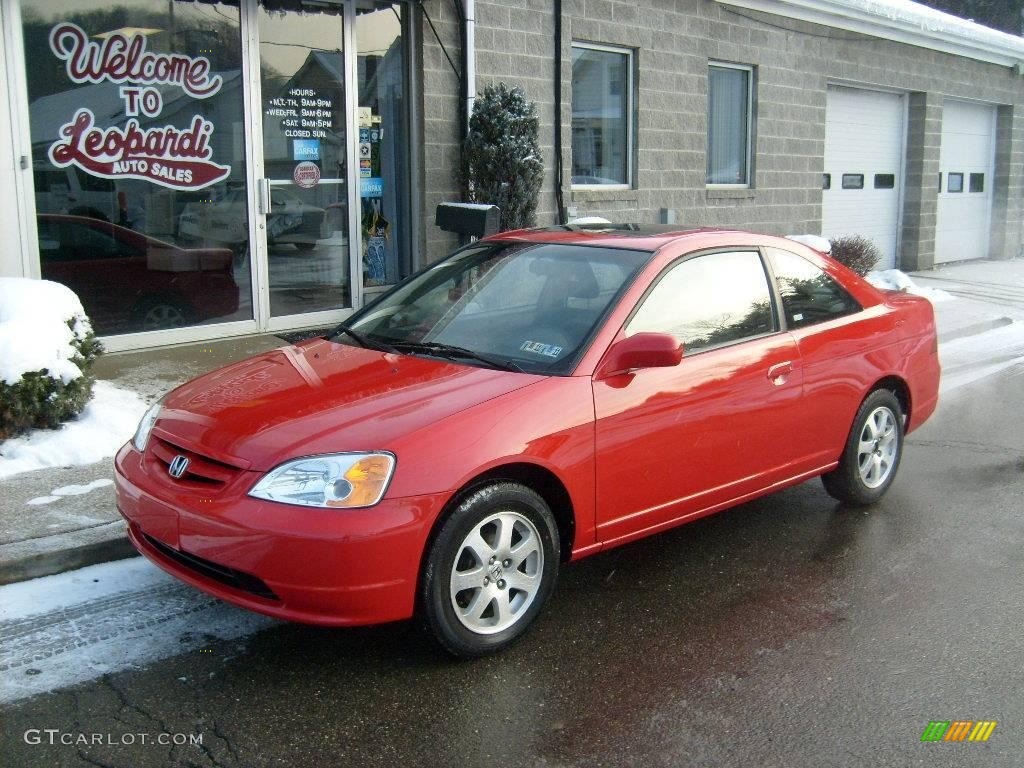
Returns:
<point x="642" y="350"/>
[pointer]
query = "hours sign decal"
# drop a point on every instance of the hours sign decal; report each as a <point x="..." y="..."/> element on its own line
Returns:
<point x="179" y="158"/>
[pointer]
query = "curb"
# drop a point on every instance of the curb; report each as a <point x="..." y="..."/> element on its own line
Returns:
<point x="60" y="560"/>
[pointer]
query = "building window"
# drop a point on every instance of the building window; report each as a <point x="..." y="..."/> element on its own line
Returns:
<point x="602" y="115"/>
<point x="977" y="182"/>
<point x="885" y="181"/>
<point x="955" y="182"/>
<point x="730" y="122"/>
<point x="853" y="181"/>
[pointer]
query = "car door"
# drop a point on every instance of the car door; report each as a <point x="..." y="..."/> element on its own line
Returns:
<point x="835" y="340"/>
<point x="724" y="423"/>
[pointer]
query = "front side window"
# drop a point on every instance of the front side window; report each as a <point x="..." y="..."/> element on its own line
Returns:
<point x="602" y="109"/>
<point x="709" y="301"/>
<point x="809" y="295"/>
<point x="522" y="305"/>
<point x="729" y="124"/>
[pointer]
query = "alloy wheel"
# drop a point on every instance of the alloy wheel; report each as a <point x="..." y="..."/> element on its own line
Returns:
<point x="497" y="572"/>
<point x="876" y="451"/>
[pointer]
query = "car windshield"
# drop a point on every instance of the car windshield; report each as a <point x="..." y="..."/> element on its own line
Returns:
<point x="522" y="306"/>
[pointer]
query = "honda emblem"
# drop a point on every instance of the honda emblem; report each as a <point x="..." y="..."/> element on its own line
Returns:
<point x="177" y="466"/>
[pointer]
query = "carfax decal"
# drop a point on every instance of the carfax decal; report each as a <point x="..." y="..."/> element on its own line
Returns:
<point x="539" y="348"/>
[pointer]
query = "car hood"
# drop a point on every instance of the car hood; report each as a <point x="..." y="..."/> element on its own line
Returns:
<point x="318" y="397"/>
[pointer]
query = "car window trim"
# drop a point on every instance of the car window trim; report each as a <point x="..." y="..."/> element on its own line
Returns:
<point x="755" y="249"/>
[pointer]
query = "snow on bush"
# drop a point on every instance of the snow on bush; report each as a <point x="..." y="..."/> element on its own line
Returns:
<point x="816" y="242"/>
<point x="47" y="348"/>
<point x="894" y="280"/>
<point x="105" y="424"/>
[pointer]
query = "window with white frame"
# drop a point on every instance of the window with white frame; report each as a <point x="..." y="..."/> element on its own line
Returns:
<point x="602" y="115"/>
<point x="730" y="120"/>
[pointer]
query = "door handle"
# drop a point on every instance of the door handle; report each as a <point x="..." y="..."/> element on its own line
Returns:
<point x="777" y="373"/>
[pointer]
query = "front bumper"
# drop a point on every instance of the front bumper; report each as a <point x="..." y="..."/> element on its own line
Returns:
<point x="317" y="566"/>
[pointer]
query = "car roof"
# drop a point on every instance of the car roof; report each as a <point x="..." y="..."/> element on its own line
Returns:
<point x="637" y="237"/>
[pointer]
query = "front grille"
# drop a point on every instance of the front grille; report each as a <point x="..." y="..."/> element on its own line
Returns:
<point x="201" y="469"/>
<point x="244" y="582"/>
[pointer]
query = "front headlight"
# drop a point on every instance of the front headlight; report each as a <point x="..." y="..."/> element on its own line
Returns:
<point x="333" y="480"/>
<point x="146" y="426"/>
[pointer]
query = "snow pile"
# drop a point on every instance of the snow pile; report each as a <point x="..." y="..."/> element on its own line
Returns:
<point x="107" y="422"/>
<point x="816" y="242"/>
<point x="894" y="280"/>
<point x="34" y="330"/>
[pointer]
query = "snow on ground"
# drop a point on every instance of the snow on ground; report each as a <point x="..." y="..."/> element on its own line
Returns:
<point x="972" y="358"/>
<point x="70" y="490"/>
<point x="108" y="421"/>
<point x="34" y="330"/>
<point x="76" y="626"/>
<point x="895" y="280"/>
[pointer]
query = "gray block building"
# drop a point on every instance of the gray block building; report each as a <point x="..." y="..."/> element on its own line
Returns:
<point x="197" y="170"/>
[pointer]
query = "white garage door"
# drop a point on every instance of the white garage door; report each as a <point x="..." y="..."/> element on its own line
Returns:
<point x="966" y="164"/>
<point x="863" y="167"/>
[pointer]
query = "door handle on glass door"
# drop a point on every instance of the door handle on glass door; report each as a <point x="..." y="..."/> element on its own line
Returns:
<point x="778" y="372"/>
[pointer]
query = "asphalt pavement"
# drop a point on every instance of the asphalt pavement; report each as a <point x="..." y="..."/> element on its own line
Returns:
<point x="786" y="632"/>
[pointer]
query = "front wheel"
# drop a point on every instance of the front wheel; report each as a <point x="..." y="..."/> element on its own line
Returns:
<point x="490" y="569"/>
<point x="872" y="453"/>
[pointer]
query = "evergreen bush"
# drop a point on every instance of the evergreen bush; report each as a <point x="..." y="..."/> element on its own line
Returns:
<point x="501" y="159"/>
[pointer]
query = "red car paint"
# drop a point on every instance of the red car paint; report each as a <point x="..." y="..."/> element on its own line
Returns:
<point x="627" y="470"/>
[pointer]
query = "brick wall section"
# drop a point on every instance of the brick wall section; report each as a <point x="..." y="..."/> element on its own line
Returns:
<point x="1008" y="186"/>
<point x="673" y="41"/>
<point x="924" y="137"/>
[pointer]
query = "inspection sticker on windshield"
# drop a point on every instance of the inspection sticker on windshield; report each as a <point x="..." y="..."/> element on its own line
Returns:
<point x="548" y="350"/>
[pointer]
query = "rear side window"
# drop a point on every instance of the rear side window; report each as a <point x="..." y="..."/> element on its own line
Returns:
<point x="708" y="301"/>
<point x="809" y="295"/>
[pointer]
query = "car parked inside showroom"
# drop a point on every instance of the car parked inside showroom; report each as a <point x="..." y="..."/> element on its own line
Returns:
<point x="130" y="281"/>
<point x="537" y="397"/>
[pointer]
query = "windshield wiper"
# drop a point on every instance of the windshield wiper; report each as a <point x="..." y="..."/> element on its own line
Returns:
<point x="364" y="341"/>
<point x="452" y="351"/>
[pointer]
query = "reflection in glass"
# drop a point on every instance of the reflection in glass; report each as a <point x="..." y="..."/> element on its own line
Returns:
<point x="304" y="153"/>
<point x="113" y="224"/>
<point x="809" y="295"/>
<point x="383" y="167"/>
<point x="708" y="301"/>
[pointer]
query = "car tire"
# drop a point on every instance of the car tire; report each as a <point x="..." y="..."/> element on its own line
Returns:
<point x="872" y="453"/>
<point x="501" y="544"/>
<point x="304" y="246"/>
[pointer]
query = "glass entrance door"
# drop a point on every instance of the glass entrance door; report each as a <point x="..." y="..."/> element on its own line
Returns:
<point x="305" y="196"/>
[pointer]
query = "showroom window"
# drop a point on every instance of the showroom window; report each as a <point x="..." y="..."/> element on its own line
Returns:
<point x="602" y="116"/>
<point x="730" y="124"/>
<point x="136" y="115"/>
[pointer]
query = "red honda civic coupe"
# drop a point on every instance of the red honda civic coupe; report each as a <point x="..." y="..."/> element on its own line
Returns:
<point x="534" y="398"/>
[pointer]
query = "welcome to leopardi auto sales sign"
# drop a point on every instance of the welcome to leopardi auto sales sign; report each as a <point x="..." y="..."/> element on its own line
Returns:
<point x="179" y="158"/>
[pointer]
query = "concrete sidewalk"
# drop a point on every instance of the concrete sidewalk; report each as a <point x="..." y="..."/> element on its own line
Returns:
<point x="79" y="530"/>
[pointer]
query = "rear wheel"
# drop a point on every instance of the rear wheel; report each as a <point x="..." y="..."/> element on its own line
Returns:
<point x="490" y="570"/>
<point x="872" y="453"/>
